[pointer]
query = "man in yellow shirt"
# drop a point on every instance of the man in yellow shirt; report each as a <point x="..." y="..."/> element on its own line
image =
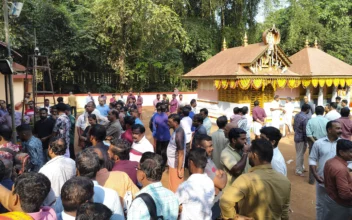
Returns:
<point x="261" y="194"/>
<point x="73" y="103"/>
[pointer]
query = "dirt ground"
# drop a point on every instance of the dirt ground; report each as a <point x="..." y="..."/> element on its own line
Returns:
<point x="302" y="193"/>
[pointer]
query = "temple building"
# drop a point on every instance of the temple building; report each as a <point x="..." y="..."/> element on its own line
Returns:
<point x="238" y="76"/>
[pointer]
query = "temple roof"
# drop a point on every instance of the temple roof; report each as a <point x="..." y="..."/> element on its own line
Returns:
<point x="234" y="62"/>
<point x="315" y="62"/>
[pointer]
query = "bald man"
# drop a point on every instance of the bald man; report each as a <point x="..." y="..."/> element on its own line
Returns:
<point x="228" y="127"/>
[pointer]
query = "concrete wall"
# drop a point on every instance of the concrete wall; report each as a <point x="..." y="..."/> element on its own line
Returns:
<point x="148" y="98"/>
<point x="18" y="88"/>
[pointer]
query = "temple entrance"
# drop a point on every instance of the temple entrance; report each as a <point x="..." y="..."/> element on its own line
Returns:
<point x="241" y="96"/>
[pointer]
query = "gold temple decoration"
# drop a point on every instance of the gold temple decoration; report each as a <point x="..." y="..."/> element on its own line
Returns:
<point x="315" y="83"/>
<point x="307" y="42"/>
<point x="224" y="45"/>
<point x="245" y="40"/>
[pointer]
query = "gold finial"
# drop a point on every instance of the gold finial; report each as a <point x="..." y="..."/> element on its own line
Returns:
<point x="224" y="45"/>
<point x="316" y="43"/>
<point x="245" y="40"/>
<point x="307" y="42"/>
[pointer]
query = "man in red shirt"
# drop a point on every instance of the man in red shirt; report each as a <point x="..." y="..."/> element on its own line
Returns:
<point x="346" y="123"/>
<point x="338" y="183"/>
<point x="258" y="119"/>
<point x="119" y="152"/>
<point x="127" y="135"/>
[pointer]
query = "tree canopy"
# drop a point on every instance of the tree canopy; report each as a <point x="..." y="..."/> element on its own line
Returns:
<point x="147" y="45"/>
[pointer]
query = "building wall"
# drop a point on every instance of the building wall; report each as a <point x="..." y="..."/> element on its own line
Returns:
<point x="287" y="92"/>
<point x="207" y="91"/>
<point x="18" y="89"/>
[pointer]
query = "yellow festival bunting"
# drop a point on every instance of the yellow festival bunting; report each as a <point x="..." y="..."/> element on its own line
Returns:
<point x="244" y="83"/>
<point x="224" y="84"/>
<point x="281" y="83"/>
<point x="315" y="83"/>
<point x="257" y="83"/>
<point x="233" y="84"/>
<point x="306" y="82"/>
<point x="336" y="82"/>
<point x="348" y="82"/>
<point x="328" y="82"/>
<point x="321" y="82"/>
<point x="217" y="83"/>
<point x="342" y="82"/>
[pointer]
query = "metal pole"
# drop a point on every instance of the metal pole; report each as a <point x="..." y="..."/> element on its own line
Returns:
<point x="10" y="79"/>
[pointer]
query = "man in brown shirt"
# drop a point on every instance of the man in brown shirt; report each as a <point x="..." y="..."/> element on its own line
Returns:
<point x="346" y="123"/>
<point x="338" y="183"/>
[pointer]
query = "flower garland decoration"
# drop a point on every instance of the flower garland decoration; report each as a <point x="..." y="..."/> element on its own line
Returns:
<point x="321" y="82"/>
<point x="328" y="82"/>
<point x="217" y="84"/>
<point x="224" y="84"/>
<point x="233" y="84"/>
<point x="244" y="83"/>
<point x="306" y="82"/>
<point x="281" y="83"/>
<point x="257" y="83"/>
<point x="336" y="82"/>
<point x="315" y="83"/>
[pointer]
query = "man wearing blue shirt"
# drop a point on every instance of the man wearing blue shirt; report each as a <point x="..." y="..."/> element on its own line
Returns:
<point x="162" y="132"/>
<point x="102" y="107"/>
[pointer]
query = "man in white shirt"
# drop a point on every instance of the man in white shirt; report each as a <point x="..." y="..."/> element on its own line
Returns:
<point x="274" y="136"/>
<point x="288" y="110"/>
<point x="275" y="112"/>
<point x="87" y="164"/>
<point x="186" y="124"/>
<point x="194" y="106"/>
<point x="181" y="102"/>
<point x="196" y="195"/>
<point x="323" y="150"/>
<point x="89" y="98"/>
<point x="75" y="192"/>
<point x="59" y="169"/>
<point x="140" y="143"/>
<point x="333" y="114"/>
<point x="206" y="120"/>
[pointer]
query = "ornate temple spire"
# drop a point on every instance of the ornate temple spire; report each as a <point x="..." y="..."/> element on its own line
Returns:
<point x="245" y="40"/>
<point x="316" y="43"/>
<point x="224" y="45"/>
<point x="307" y="42"/>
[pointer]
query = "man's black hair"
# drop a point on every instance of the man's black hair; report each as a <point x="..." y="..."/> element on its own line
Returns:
<point x="120" y="103"/>
<point x="343" y="145"/>
<point x="345" y="112"/>
<point x="345" y="101"/>
<point x="93" y="211"/>
<point x="205" y="111"/>
<point x="244" y="110"/>
<point x="192" y="101"/>
<point x="139" y="127"/>
<point x="61" y="107"/>
<point x="115" y="112"/>
<point x="92" y="116"/>
<point x="235" y="133"/>
<point x="236" y="110"/>
<point x="198" y="118"/>
<point x="104" y="159"/>
<point x="185" y="111"/>
<point x="129" y="120"/>
<point x="58" y="147"/>
<point x="333" y="105"/>
<point x="221" y="122"/>
<point x="272" y="133"/>
<point x="32" y="189"/>
<point x="87" y="163"/>
<point x="152" y="165"/>
<point x="43" y="109"/>
<point x="305" y="107"/>
<point x="256" y="103"/>
<point x="23" y="128"/>
<point x="2" y="170"/>
<point x="263" y="149"/>
<point x="121" y="148"/>
<point x="5" y="132"/>
<point x="76" y="191"/>
<point x="162" y="107"/>
<point x="60" y="99"/>
<point x="175" y="117"/>
<point x="338" y="98"/>
<point x="47" y="99"/>
<point x="99" y="132"/>
<point x="319" y="110"/>
<point x="198" y="156"/>
<point x="329" y="125"/>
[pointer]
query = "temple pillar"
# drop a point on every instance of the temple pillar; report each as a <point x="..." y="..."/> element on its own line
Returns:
<point x="320" y="96"/>
<point x="308" y="93"/>
<point x="334" y="94"/>
<point x="348" y="94"/>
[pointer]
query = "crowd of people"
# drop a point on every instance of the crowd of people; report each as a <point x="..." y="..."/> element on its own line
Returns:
<point x="117" y="172"/>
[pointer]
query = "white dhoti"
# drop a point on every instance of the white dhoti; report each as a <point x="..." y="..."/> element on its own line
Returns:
<point x="256" y="128"/>
<point x="275" y="122"/>
<point x="288" y="122"/>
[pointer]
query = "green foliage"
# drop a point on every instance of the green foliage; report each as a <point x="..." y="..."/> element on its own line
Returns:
<point x="147" y="45"/>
